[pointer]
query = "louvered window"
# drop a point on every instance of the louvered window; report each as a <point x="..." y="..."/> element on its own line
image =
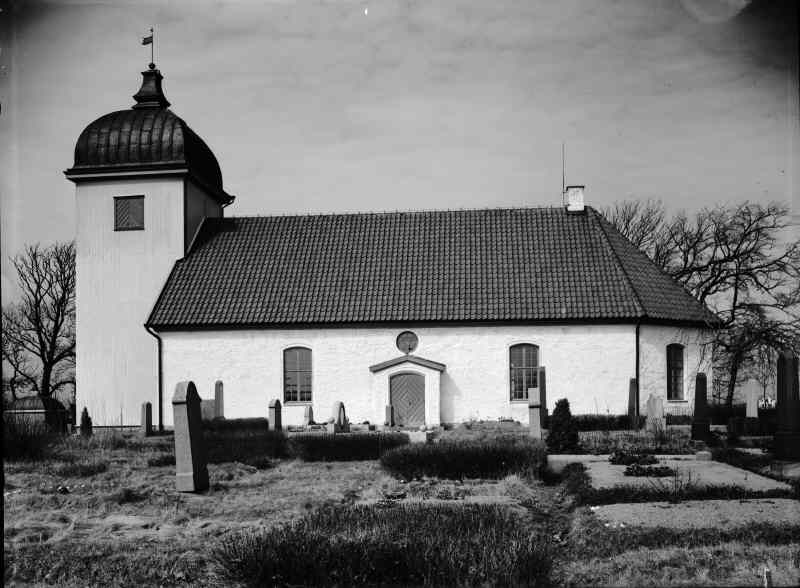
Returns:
<point x="297" y="375"/>
<point x="674" y="372"/>
<point x="523" y="361"/>
<point x="129" y="213"/>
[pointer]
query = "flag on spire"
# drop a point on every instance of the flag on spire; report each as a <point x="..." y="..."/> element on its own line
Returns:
<point x="148" y="40"/>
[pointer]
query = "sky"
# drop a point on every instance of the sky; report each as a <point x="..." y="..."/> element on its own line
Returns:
<point x="339" y="105"/>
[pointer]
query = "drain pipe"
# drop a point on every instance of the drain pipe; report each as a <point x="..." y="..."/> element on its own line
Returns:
<point x="160" y="381"/>
<point x="638" y="375"/>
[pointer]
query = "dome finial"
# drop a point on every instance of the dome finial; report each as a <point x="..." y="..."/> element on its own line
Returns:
<point x="150" y="95"/>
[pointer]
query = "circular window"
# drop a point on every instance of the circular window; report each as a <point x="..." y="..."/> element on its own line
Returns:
<point x="407" y="342"/>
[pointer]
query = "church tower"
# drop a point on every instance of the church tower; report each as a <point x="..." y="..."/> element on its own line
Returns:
<point x="144" y="181"/>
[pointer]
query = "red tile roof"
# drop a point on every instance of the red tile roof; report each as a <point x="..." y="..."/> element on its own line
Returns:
<point x="492" y="265"/>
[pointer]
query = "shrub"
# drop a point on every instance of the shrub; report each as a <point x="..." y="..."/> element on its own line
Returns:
<point x="606" y="422"/>
<point x="671" y="441"/>
<point x="589" y="538"/>
<point x="720" y="414"/>
<point x="81" y="469"/>
<point x="562" y="437"/>
<point x="244" y="440"/>
<point x="461" y="459"/>
<point x="344" y="447"/>
<point x="441" y="545"/>
<point x="86" y="423"/>
<point x="26" y="440"/>
<point x="621" y="457"/>
<point x="162" y="459"/>
<point x="642" y="471"/>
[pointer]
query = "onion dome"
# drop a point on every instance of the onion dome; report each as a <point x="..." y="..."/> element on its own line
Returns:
<point x="148" y="137"/>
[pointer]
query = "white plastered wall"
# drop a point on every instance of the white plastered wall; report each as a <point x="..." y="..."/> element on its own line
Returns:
<point x="119" y="276"/>
<point x="653" y="341"/>
<point x="590" y="365"/>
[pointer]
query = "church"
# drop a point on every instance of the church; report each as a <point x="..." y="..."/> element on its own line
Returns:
<point x="445" y="314"/>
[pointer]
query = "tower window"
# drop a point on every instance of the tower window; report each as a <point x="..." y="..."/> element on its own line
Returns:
<point x="129" y="213"/>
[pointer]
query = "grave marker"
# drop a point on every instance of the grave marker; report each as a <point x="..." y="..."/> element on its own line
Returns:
<point x="701" y="424"/>
<point x="219" y="398"/>
<point x="787" y="436"/>
<point x="147" y="419"/>
<point x="633" y="409"/>
<point x="655" y="414"/>
<point x="537" y="405"/>
<point x="191" y="469"/>
<point x="308" y="416"/>
<point x="274" y="421"/>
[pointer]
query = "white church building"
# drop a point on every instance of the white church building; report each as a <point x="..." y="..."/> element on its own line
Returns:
<point x="443" y="314"/>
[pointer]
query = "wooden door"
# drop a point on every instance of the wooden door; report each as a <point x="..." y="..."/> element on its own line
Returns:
<point x="407" y="395"/>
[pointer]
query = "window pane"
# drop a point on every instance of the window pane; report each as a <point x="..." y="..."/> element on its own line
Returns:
<point x="304" y="359"/>
<point x="674" y="372"/>
<point x="128" y="213"/>
<point x="290" y="359"/>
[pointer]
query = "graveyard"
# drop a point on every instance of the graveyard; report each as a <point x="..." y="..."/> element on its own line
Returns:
<point x="227" y="502"/>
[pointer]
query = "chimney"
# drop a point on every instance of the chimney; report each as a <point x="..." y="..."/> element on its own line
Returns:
<point x="574" y="198"/>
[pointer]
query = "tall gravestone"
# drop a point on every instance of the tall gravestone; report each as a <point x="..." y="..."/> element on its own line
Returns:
<point x="787" y="436"/>
<point x="274" y="422"/>
<point x="147" y="419"/>
<point x="308" y="416"/>
<point x="752" y="396"/>
<point x="633" y="406"/>
<point x="191" y="469"/>
<point x="389" y="416"/>
<point x="537" y="405"/>
<point x="701" y="424"/>
<point x="656" y="421"/>
<point x="219" y="400"/>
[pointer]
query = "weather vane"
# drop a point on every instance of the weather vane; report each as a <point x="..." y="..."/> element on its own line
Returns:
<point x="148" y="40"/>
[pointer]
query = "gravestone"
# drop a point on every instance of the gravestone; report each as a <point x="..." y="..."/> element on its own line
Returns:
<point x="338" y="422"/>
<point x="308" y="416"/>
<point x="752" y="396"/>
<point x="191" y="469"/>
<point x="787" y="436"/>
<point x="219" y="400"/>
<point x="656" y="421"/>
<point x="633" y="408"/>
<point x="389" y="422"/>
<point x="274" y="420"/>
<point x="701" y="424"/>
<point x="537" y="405"/>
<point x="147" y="419"/>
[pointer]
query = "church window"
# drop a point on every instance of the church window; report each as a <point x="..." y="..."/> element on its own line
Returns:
<point x="129" y="213"/>
<point x="297" y="374"/>
<point x="674" y="372"/>
<point x="523" y="361"/>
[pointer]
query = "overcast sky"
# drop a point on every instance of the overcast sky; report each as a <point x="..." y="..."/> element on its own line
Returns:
<point x="355" y="106"/>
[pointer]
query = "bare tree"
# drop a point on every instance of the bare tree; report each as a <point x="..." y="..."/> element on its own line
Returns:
<point x="733" y="259"/>
<point x="39" y="330"/>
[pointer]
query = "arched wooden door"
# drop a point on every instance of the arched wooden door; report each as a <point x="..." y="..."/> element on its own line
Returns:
<point x="407" y="396"/>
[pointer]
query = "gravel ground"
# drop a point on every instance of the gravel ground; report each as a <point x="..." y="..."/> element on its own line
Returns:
<point x="719" y="514"/>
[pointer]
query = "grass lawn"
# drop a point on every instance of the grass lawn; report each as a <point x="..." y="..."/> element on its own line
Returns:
<point x="97" y="514"/>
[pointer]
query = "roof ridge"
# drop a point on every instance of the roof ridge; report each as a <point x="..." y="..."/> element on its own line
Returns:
<point x="636" y="297"/>
<point x="408" y="211"/>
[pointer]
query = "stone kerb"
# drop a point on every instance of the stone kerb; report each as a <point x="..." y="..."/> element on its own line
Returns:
<point x="787" y="436"/>
<point x="191" y="466"/>
<point x="701" y="424"/>
<point x="275" y="422"/>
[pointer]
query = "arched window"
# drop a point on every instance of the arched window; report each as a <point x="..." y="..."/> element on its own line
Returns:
<point x="297" y="374"/>
<point x="523" y="361"/>
<point x="674" y="371"/>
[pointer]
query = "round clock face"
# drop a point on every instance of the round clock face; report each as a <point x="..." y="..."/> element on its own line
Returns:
<point x="407" y="342"/>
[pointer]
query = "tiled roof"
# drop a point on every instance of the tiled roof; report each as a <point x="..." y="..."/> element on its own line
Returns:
<point x="519" y="264"/>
